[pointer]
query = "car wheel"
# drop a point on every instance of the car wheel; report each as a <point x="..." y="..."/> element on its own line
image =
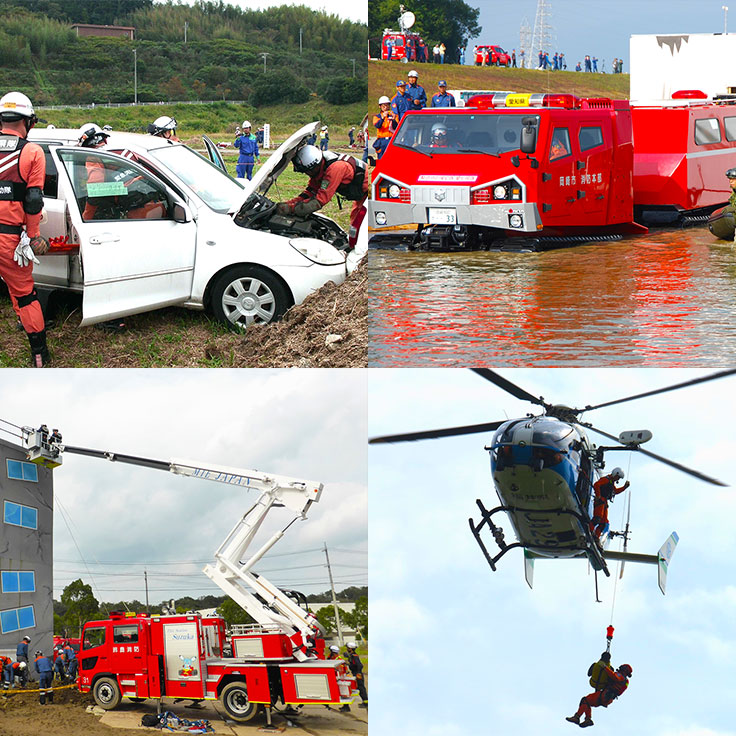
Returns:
<point x="106" y="693"/>
<point x="234" y="698"/>
<point x="247" y="295"/>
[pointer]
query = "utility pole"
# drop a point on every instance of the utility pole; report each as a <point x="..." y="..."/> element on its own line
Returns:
<point x="724" y="8"/>
<point x="353" y="60"/>
<point x="264" y="54"/>
<point x="300" y="42"/>
<point x="145" y="578"/>
<point x="186" y="25"/>
<point x="334" y="599"/>
<point x="135" y="76"/>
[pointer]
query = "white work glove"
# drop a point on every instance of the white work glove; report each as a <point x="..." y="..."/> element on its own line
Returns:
<point x="24" y="253"/>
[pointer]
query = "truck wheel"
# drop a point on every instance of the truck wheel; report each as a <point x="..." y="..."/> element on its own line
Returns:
<point x="106" y="693"/>
<point x="247" y="295"/>
<point x="234" y="698"/>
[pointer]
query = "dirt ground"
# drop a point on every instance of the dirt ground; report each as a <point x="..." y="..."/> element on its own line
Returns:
<point x="21" y="715"/>
<point x="329" y="329"/>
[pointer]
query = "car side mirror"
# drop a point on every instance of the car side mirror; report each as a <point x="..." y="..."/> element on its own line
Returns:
<point x="181" y="213"/>
<point x="528" y="136"/>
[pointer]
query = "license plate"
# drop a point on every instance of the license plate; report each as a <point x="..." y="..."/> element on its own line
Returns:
<point x="442" y="216"/>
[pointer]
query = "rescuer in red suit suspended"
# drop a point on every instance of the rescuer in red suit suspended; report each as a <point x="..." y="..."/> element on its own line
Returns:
<point x="617" y="683"/>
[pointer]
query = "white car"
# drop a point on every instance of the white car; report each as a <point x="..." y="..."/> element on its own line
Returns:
<point x="164" y="226"/>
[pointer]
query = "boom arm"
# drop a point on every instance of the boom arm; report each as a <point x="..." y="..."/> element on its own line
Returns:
<point x="266" y="603"/>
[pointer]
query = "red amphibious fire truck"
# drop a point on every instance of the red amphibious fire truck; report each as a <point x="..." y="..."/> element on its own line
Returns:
<point x="536" y="171"/>
<point x="280" y="659"/>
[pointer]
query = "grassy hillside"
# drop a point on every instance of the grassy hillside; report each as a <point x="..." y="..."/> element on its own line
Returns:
<point x="382" y="76"/>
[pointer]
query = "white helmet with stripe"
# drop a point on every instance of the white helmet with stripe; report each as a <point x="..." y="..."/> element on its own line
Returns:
<point x="14" y="106"/>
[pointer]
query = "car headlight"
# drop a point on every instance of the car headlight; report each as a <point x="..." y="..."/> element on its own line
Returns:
<point x="516" y="220"/>
<point x="381" y="218"/>
<point x="499" y="192"/>
<point x="318" y="251"/>
<point x="394" y="191"/>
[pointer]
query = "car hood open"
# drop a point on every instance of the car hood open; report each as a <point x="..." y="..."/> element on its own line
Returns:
<point x="277" y="162"/>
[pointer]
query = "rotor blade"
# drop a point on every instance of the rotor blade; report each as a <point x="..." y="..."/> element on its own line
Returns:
<point x="702" y="379"/>
<point x="506" y="385"/>
<point x="664" y="460"/>
<point x="626" y="533"/>
<point x="431" y="434"/>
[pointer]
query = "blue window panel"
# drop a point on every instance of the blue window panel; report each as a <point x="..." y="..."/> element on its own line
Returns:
<point x="12" y="513"/>
<point x="26" y="618"/>
<point x="18" y="470"/>
<point x="29" y="517"/>
<point x="10" y="582"/>
<point x="9" y="621"/>
<point x="30" y="472"/>
<point x="27" y="582"/>
<point x="15" y="471"/>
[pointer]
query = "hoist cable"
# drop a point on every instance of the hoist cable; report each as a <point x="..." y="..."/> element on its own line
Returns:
<point x="621" y="562"/>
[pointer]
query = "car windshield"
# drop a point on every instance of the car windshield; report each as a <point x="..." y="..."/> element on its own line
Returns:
<point x="469" y="133"/>
<point x="215" y="188"/>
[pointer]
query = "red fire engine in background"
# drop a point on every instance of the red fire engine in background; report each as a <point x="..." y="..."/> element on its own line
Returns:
<point x="404" y="43"/>
<point x="280" y="659"/>
<point x="553" y="166"/>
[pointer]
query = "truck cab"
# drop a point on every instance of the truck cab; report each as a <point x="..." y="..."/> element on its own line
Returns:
<point x="507" y="165"/>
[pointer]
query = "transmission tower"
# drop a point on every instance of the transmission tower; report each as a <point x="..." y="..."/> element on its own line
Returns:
<point x="525" y="39"/>
<point x="544" y="35"/>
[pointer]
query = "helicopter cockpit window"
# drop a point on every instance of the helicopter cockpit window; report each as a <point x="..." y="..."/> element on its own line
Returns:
<point x="552" y="435"/>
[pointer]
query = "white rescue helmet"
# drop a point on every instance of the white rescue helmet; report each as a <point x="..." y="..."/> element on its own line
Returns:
<point x="412" y="73"/>
<point x="246" y="124"/>
<point x="334" y="648"/>
<point x="22" y="665"/>
<point x="162" y="124"/>
<point x="14" y="106"/>
<point x="91" y="135"/>
<point x="350" y="645"/>
<point x="107" y="128"/>
<point x="307" y="159"/>
<point x="384" y="100"/>
<point x="617" y="473"/>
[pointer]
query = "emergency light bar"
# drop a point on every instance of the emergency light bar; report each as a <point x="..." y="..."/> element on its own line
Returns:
<point x="537" y="99"/>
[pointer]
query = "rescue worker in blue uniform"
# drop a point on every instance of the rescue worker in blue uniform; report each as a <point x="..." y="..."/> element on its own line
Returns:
<point x="45" y="678"/>
<point x="443" y="98"/>
<point x="356" y="669"/>
<point x="416" y="94"/>
<point x="400" y="103"/>
<point x="71" y="661"/>
<point x="21" y="651"/>
<point x="247" y="144"/>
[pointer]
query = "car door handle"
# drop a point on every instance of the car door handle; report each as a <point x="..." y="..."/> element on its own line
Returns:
<point x="104" y="238"/>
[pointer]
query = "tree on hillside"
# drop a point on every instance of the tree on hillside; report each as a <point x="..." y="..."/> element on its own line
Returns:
<point x="233" y="613"/>
<point x="100" y="12"/>
<point x="81" y="605"/>
<point x="451" y="22"/>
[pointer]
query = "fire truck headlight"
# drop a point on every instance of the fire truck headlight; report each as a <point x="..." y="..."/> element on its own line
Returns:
<point x="394" y="191"/>
<point x="381" y="218"/>
<point x="499" y="192"/>
<point x="516" y="221"/>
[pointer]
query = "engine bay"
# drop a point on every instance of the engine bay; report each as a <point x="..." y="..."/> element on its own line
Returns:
<point x="259" y="213"/>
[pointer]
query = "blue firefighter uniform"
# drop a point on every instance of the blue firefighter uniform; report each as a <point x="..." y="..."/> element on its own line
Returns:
<point x="415" y="93"/>
<point x="443" y="99"/>
<point x="248" y="146"/>
<point x="21" y="652"/>
<point x="45" y="678"/>
<point x="71" y="662"/>
<point x="400" y="105"/>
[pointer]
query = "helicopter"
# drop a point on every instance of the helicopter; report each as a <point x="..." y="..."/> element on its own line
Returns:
<point x="544" y="467"/>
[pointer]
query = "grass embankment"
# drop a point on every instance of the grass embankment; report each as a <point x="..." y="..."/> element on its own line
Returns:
<point x="382" y="77"/>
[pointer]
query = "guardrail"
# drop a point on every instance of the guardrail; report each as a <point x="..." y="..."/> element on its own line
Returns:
<point x="93" y="105"/>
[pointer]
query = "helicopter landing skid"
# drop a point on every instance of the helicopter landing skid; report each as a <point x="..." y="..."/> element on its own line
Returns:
<point x="593" y="550"/>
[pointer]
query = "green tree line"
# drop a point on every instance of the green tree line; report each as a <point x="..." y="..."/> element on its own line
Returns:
<point x="42" y="56"/>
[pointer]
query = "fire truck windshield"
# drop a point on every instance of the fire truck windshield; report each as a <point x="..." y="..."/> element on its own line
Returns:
<point x="490" y="133"/>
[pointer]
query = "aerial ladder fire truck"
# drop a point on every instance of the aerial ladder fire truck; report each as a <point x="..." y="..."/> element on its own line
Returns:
<point x="280" y="658"/>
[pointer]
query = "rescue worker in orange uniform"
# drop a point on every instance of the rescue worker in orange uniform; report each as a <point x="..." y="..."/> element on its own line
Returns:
<point x="92" y="136"/>
<point x="617" y="683"/>
<point x="164" y="127"/>
<point x="22" y="176"/>
<point x="385" y="123"/>
<point x="329" y="174"/>
<point x="605" y="489"/>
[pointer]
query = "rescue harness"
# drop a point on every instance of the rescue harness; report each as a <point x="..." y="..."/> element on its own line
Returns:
<point x="13" y="187"/>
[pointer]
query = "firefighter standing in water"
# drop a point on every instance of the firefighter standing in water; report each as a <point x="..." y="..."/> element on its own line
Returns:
<point x="22" y="172"/>
<point x="617" y="683"/>
<point x="385" y="123"/>
<point x="329" y="174"/>
<point x="605" y="489"/>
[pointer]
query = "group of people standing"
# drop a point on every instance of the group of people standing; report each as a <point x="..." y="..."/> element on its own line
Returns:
<point x="408" y="97"/>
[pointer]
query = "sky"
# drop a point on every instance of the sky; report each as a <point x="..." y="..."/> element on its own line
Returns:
<point x="302" y="423"/>
<point x="594" y="28"/>
<point x="458" y="649"/>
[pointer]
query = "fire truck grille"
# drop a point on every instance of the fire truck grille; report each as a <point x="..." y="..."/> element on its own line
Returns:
<point x="439" y="196"/>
